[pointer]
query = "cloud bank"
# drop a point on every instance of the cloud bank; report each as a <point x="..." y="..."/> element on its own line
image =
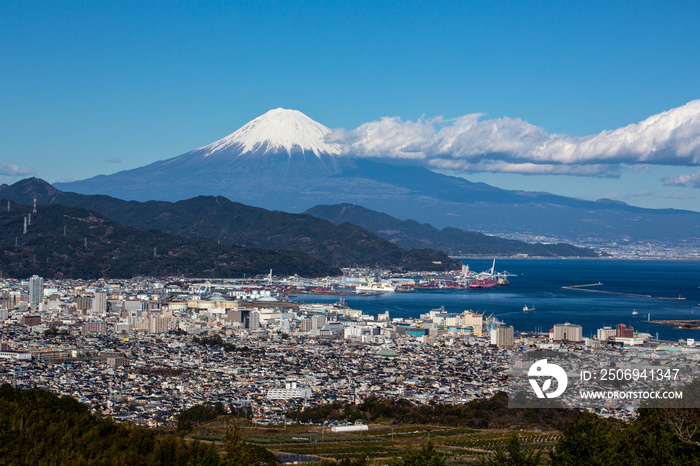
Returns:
<point x="691" y="180"/>
<point x="15" y="170"/>
<point x="512" y="145"/>
<point x="9" y="173"/>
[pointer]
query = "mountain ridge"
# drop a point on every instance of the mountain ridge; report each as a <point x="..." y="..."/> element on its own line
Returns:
<point x="73" y="242"/>
<point x="220" y="219"/>
<point x="455" y="242"/>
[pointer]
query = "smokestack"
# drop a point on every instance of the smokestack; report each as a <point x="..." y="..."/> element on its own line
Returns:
<point x="25" y="226"/>
<point x="34" y="209"/>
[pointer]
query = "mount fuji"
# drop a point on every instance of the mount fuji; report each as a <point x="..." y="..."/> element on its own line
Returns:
<point x="283" y="161"/>
<point x="278" y="160"/>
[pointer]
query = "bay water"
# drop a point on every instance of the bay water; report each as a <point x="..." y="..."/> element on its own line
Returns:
<point x="539" y="283"/>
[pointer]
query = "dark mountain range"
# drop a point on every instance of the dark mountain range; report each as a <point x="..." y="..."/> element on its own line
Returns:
<point x="70" y="242"/>
<point x="282" y="161"/>
<point x="411" y="234"/>
<point x="229" y="222"/>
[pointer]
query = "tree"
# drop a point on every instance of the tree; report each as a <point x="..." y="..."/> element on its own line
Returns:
<point x="426" y="456"/>
<point x="241" y="453"/>
<point x="513" y="455"/>
<point x="585" y="441"/>
<point x="682" y="416"/>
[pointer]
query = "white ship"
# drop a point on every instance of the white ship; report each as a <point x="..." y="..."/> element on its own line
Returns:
<point x="375" y="287"/>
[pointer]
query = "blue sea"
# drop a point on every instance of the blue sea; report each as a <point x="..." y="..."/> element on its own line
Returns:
<point x="538" y="283"/>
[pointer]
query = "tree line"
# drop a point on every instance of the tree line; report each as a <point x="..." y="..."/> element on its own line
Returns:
<point x="40" y="428"/>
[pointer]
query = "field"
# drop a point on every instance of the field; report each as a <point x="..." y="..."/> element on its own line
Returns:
<point x="380" y="443"/>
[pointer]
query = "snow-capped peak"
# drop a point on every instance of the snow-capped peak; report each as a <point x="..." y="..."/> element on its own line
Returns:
<point x="278" y="129"/>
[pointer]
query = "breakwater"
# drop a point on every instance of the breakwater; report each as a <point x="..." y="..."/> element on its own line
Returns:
<point x="586" y="288"/>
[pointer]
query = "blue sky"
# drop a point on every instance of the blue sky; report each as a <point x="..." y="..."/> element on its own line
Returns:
<point x="98" y="87"/>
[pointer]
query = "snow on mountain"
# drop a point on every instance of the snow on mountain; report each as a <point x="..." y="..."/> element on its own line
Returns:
<point x="277" y="129"/>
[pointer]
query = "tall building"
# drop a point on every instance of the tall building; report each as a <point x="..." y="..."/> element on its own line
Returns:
<point x="36" y="291"/>
<point x="306" y="325"/>
<point x="473" y="320"/>
<point x="605" y="333"/>
<point x="622" y="331"/>
<point x="318" y="321"/>
<point x="83" y="303"/>
<point x="568" y="332"/>
<point x="158" y="324"/>
<point x="254" y="322"/>
<point x="284" y="325"/>
<point x="99" y="303"/>
<point x="502" y="336"/>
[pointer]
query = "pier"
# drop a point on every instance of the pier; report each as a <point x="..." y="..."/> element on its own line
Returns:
<point x="586" y="288"/>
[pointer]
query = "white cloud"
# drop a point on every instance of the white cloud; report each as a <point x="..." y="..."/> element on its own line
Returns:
<point x="690" y="179"/>
<point x="7" y="170"/>
<point x="10" y="173"/>
<point x="512" y="145"/>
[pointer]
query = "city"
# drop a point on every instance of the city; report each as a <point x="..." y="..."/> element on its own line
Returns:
<point x="144" y="350"/>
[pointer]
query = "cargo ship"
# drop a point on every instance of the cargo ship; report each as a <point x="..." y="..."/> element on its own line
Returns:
<point x="482" y="283"/>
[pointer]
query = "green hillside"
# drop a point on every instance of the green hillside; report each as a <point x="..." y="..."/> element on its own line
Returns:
<point x="68" y="242"/>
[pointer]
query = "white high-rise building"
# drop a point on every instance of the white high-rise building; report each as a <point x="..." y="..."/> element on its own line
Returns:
<point x="318" y="321"/>
<point x="99" y="303"/>
<point x="605" y="333"/>
<point x="36" y="291"/>
<point x="284" y="325"/>
<point x="254" y="322"/>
